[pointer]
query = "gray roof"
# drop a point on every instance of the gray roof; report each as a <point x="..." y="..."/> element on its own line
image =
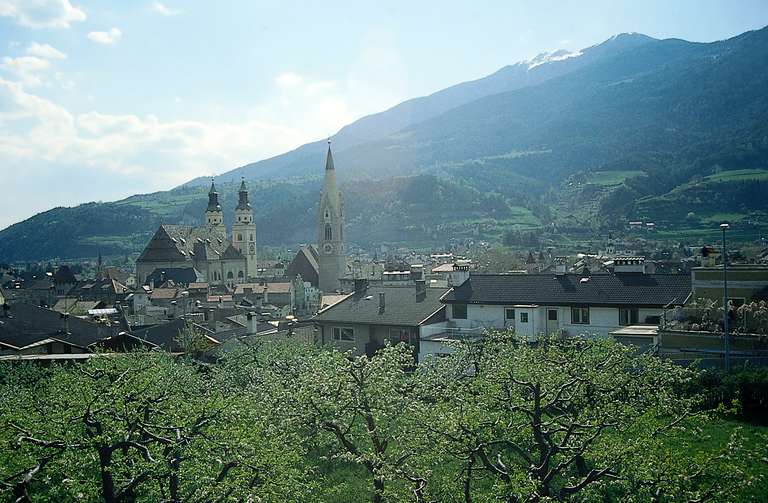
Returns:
<point x="305" y="264"/>
<point x="184" y="243"/>
<point x="622" y="289"/>
<point x="30" y="324"/>
<point x="402" y="306"/>
<point x="165" y="334"/>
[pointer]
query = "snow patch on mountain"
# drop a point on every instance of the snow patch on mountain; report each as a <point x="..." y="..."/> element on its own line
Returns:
<point x="549" y="57"/>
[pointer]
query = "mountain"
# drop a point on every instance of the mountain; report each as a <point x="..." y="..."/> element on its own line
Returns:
<point x="571" y="145"/>
<point x="301" y="161"/>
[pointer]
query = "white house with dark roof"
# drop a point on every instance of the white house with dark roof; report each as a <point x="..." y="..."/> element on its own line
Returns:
<point x="561" y="303"/>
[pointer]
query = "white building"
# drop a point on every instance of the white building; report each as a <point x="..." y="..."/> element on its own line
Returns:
<point x="567" y="304"/>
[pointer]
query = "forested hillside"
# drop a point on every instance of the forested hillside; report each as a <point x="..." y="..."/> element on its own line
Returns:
<point x="634" y="128"/>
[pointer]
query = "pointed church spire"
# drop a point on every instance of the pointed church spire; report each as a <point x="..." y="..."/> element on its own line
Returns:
<point x="242" y="203"/>
<point x="213" y="198"/>
<point x="329" y="158"/>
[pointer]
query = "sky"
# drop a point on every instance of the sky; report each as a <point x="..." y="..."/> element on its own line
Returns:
<point x="100" y="100"/>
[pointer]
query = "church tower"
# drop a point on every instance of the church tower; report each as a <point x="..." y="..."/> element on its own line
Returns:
<point x="244" y="231"/>
<point x="214" y="217"/>
<point x="330" y="228"/>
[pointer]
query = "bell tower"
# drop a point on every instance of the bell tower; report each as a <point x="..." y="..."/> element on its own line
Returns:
<point x="214" y="216"/>
<point x="330" y="230"/>
<point x="244" y="231"/>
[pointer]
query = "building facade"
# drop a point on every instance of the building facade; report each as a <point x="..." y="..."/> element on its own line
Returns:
<point x="535" y="305"/>
<point x="206" y="248"/>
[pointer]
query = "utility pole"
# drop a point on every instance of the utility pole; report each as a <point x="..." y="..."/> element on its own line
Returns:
<point x="724" y="226"/>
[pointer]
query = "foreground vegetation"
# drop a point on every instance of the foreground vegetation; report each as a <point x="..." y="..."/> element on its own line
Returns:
<point x="565" y="420"/>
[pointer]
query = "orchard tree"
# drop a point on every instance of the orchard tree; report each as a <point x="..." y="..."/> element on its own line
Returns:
<point x="558" y="420"/>
<point x="364" y="408"/>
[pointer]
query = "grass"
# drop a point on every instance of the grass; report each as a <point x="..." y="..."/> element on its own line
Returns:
<point x="611" y="178"/>
<point x="738" y="175"/>
<point x="716" y="436"/>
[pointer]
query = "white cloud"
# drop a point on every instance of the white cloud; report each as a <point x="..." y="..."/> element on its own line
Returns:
<point x="27" y="69"/>
<point x="45" y="51"/>
<point x="163" y="10"/>
<point x="289" y="79"/>
<point x="105" y="37"/>
<point x="159" y="153"/>
<point x="42" y="13"/>
<point x="315" y="88"/>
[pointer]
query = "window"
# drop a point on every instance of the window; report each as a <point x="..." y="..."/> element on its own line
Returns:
<point x="459" y="311"/>
<point x="580" y="315"/>
<point x="509" y="313"/>
<point x="523" y="317"/>
<point x="343" y="334"/>
<point x="552" y="314"/>
<point x="240" y="274"/>
<point x="328" y="232"/>
<point x="627" y="316"/>
<point x="230" y="275"/>
<point x="399" y="335"/>
<point x="239" y="237"/>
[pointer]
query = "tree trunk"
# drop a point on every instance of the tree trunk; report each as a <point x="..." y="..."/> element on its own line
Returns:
<point x="107" y="482"/>
<point x="378" y="489"/>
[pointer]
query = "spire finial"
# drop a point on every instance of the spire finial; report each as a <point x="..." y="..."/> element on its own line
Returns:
<point x="329" y="157"/>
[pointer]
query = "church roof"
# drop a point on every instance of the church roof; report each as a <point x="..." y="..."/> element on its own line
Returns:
<point x="305" y="263"/>
<point x="231" y="253"/>
<point x="184" y="243"/>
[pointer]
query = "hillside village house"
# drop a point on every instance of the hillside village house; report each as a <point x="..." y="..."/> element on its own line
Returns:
<point x="372" y="315"/>
<point x="559" y="303"/>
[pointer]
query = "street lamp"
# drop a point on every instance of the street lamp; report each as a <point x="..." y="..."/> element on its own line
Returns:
<point x="724" y="226"/>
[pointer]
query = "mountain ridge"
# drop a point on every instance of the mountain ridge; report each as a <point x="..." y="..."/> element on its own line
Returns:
<point x="415" y="110"/>
<point x="578" y="153"/>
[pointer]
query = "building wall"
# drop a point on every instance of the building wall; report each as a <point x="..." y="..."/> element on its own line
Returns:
<point x="602" y="320"/>
<point x="246" y="230"/>
<point x="365" y="334"/>
<point x="744" y="281"/>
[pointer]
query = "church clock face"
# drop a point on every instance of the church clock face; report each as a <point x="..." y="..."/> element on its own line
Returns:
<point x="328" y="248"/>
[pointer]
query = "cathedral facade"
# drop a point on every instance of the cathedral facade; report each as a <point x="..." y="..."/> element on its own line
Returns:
<point x="215" y="258"/>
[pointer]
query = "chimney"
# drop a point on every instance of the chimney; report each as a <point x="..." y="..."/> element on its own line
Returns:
<point x="417" y="272"/>
<point x="561" y="265"/>
<point x="629" y="264"/>
<point x="253" y="322"/>
<point x="381" y="302"/>
<point x="458" y="275"/>
<point x="421" y="288"/>
<point x="65" y="322"/>
<point x="361" y="285"/>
